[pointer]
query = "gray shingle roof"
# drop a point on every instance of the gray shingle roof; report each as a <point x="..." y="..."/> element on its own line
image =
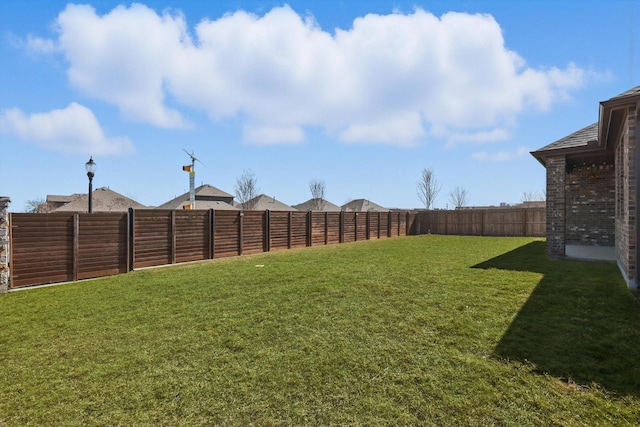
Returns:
<point x="103" y="200"/>
<point x="363" y="205"/>
<point x="582" y="138"/>
<point x="310" y="205"/>
<point x="204" y="205"/>
<point x="587" y="139"/>
<point x="203" y="192"/>
<point x="264" y="202"/>
<point x="54" y="198"/>
<point x="631" y="92"/>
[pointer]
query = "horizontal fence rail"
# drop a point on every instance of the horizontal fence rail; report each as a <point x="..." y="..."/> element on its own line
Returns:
<point x="509" y="221"/>
<point x="60" y="247"/>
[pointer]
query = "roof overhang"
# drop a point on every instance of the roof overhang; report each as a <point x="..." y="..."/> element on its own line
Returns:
<point x="542" y="156"/>
<point x="610" y="124"/>
<point x="611" y="117"/>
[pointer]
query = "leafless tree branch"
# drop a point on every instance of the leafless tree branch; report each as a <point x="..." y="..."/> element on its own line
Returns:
<point x="247" y="190"/>
<point x="428" y="187"/>
<point x="458" y="197"/>
<point x="317" y="189"/>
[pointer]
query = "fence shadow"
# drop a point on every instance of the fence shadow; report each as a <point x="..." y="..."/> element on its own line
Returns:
<point x="580" y="324"/>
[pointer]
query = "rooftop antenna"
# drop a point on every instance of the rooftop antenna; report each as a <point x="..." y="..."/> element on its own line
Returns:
<point x="192" y="179"/>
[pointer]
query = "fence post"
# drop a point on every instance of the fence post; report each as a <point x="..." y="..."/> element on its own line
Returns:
<point x="173" y="236"/>
<point x="76" y="238"/>
<point x="341" y="238"/>
<point x="355" y="227"/>
<point x="326" y="228"/>
<point x="5" y="242"/>
<point x="131" y="247"/>
<point x="267" y="230"/>
<point x="309" y="228"/>
<point x="212" y="227"/>
<point x="406" y="225"/>
<point x="368" y="225"/>
<point x="289" y="231"/>
<point x="240" y="231"/>
<point x="446" y="223"/>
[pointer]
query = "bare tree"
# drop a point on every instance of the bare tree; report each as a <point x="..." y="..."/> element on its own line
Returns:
<point x="36" y="206"/>
<point x="317" y="189"/>
<point x="247" y="190"/>
<point x="428" y="187"/>
<point x="458" y="197"/>
<point x="532" y="196"/>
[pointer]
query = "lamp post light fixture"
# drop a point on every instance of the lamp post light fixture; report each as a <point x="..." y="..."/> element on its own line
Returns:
<point x="90" y="166"/>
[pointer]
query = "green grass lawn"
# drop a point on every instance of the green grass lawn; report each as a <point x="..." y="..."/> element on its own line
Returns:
<point x="427" y="330"/>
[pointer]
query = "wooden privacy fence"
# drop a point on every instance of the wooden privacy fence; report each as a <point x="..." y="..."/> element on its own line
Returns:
<point x="509" y="221"/>
<point x="59" y="247"/>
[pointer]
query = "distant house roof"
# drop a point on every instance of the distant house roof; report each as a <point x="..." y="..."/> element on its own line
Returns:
<point x="205" y="196"/>
<point x="204" y="205"/>
<point x="103" y="200"/>
<point x="264" y="202"/>
<point x="312" y="205"/>
<point x="52" y="198"/>
<point x="363" y="205"/>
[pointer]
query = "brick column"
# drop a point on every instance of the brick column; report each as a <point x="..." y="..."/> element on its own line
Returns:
<point x="4" y="244"/>
<point x="556" y="219"/>
<point x="633" y="134"/>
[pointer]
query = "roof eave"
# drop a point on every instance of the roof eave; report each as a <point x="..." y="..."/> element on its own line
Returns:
<point x="542" y="156"/>
<point x="606" y="110"/>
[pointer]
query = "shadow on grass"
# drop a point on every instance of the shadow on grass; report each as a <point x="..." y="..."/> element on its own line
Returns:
<point x="580" y="324"/>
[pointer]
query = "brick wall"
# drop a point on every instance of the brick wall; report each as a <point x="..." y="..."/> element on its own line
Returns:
<point x="4" y="244"/>
<point x="590" y="196"/>
<point x="626" y="251"/>
<point x="556" y="171"/>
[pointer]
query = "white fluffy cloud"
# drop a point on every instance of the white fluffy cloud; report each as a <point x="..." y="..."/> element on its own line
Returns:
<point x="268" y="135"/>
<point x="72" y="130"/>
<point x="500" y="156"/>
<point x="388" y="79"/>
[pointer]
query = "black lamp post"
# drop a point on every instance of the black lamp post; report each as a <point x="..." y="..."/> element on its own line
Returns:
<point x="90" y="166"/>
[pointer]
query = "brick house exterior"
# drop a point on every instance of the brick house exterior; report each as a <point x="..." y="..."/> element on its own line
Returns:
<point x="592" y="191"/>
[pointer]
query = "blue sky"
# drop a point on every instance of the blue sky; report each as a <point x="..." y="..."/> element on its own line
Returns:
<point x="359" y="94"/>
